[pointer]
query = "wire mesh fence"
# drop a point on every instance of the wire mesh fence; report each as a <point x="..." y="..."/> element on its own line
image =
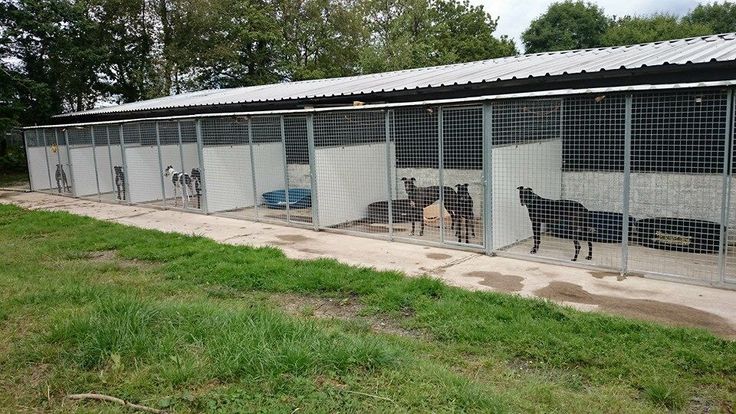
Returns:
<point x="627" y="182"/>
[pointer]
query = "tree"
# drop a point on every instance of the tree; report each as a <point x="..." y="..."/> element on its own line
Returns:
<point x="321" y="38"/>
<point x="633" y="30"/>
<point x="126" y="28"/>
<point x="415" y="33"/>
<point x="56" y="53"/>
<point x="721" y="17"/>
<point x="566" y="25"/>
<point x="464" y="33"/>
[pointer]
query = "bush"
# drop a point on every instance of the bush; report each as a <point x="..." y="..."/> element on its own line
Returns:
<point x="13" y="158"/>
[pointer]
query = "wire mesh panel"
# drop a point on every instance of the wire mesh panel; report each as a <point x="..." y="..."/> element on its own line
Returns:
<point x="180" y="163"/>
<point x="82" y="159"/>
<point x="144" y="175"/>
<point x="677" y="150"/>
<point x="351" y="170"/>
<point x="61" y="168"/>
<point x="298" y="198"/>
<point x="37" y="153"/>
<point x="729" y="268"/>
<point x="110" y="166"/>
<point x="530" y="215"/>
<point x="268" y="167"/>
<point x="593" y="142"/>
<point x="462" y="174"/>
<point x="228" y="175"/>
<point x="416" y="211"/>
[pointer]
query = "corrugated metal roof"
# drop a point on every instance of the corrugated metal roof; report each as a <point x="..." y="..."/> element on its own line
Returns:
<point x="717" y="48"/>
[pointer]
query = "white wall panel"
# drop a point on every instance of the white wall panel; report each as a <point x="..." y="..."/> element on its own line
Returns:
<point x="37" y="165"/>
<point x="269" y="160"/>
<point x="144" y="180"/>
<point x="228" y="177"/>
<point x="348" y="179"/>
<point x="84" y="180"/>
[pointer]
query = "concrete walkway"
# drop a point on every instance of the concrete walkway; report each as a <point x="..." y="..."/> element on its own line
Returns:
<point x="662" y="301"/>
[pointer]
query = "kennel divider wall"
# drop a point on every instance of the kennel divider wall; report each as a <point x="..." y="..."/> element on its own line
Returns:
<point x="38" y="160"/>
<point x="82" y="159"/>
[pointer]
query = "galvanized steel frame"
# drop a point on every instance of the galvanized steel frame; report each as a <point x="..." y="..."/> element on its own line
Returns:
<point x="487" y="111"/>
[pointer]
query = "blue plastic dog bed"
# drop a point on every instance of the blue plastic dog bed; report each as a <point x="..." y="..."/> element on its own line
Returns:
<point x="298" y="198"/>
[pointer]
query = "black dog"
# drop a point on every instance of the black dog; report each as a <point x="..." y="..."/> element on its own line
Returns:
<point x="543" y="210"/>
<point x="120" y="181"/>
<point x="422" y="197"/>
<point x="197" y="180"/>
<point x="464" y="213"/>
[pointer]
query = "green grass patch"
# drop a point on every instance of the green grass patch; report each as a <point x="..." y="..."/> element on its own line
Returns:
<point x="188" y="324"/>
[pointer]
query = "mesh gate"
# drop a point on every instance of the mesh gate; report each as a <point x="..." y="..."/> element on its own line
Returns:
<point x="677" y="147"/>
<point x="350" y="154"/>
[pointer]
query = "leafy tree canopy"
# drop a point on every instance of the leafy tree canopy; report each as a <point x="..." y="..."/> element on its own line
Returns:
<point x="566" y="25"/>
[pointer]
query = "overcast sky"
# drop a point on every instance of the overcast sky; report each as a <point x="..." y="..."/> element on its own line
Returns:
<point x="515" y="15"/>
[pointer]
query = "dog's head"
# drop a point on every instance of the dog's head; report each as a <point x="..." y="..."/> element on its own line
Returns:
<point x="409" y="183"/>
<point x="168" y="171"/>
<point x="118" y="169"/>
<point x="462" y="189"/>
<point x="525" y="195"/>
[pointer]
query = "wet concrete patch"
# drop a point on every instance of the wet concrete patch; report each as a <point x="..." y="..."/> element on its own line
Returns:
<point x="312" y="251"/>
<point x="438" y="256"/>
<point x="603" y="275"/>
<point x="498" y="281"/>
<point x="292" y="238"/>
<point x="645" y="309"/>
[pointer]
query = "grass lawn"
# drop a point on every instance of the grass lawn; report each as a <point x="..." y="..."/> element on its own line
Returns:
<point x="10" y="179"/>
<point x="189" y="325"/>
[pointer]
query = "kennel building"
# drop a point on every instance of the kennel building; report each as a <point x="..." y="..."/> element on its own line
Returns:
<point x="639" y="140"/>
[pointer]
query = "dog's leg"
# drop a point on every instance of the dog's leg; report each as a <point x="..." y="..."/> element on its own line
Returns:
<point x="472" y="225"/>
<point x="590" y="251"/>
<point x="577" y="250"/>
<point x="458" y="229"/>
<point x="536" y="228"/>
<point x="421" y="226"/>
<point x="467" y="222"/>
<point x="58" y="186"/>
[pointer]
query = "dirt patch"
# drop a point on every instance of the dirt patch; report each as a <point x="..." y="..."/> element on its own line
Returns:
<point x="111" y="256"/>
<point x="603" y="275"/>
<point x="338" y="308"/>
<point x="498" y="281"/>
<point x="438" y="256"/>
<point x="39" y="374"/>
<point x="645" y="309"/>
<point x="292" y="238"/>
